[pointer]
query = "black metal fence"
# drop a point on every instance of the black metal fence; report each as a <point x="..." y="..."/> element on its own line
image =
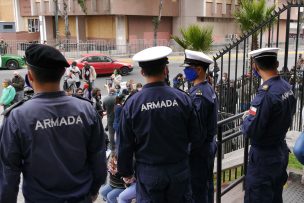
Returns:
<point x="236" y="87"/>
<point x="234" y="82"/>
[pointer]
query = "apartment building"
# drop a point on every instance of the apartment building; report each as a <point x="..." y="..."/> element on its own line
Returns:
<point x="119" y="21"/>
<point x="13" y="26"/>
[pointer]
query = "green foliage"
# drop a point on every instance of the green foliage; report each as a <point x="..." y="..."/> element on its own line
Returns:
<point x="83" y="6"/>
<point x="294" y="163"/>
<point x="195" y="38"/>
<point x="252" y="13"/>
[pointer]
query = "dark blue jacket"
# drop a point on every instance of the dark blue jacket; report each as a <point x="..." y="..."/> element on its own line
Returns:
<point x="206" y="104"/>
<point x="157" y="125"/>
<point x="57" y="142"/>
<point x="270" y="113"/>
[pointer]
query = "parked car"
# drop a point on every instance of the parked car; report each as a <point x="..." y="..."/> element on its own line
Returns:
<point x="11" y="61"/>
<point x="104" y="64"/>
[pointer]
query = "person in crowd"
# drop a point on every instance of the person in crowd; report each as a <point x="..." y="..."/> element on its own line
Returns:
<point x="108" y="106"/>
<point x="205" y="101"/>
<point x="130" y="86"/>
<point x="266" y="124"/>
<point x="116" y="77"/>
<point x="89" y="76"/>
<point x="73" y="74"/>
<point x="55" y="141"/>
<point x="129" y="193"/>
<point x="139" y="87"/>
<point x="299" y="62"/>
<point x="154" y="120"/>
<point x="8" y="94"/>
<point x="79" y="92"/>
<point x="224" y="80"/>
<point x="167" y="78"/>
<point x="97" y="103"/>
<point x="117" y="89"/>
<point x="244" y="92"/>
<point x="69" y="91"/>
<point x="178" y="81"/>
<point x="3" y="47"/>
<point x="86" y="93"/>
<point x="18" y="84"/>
<point x="111" y="191"/>
<point x="117" y="111"/>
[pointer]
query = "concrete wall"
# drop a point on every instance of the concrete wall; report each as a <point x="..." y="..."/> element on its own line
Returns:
<point x="109" y="7"/>
<point x="23" y="36"/>
<point x="7" y="12"/>
<point x="142" y="28"/>
<point x="25" y="7"/>
<point x="144" y="7"/>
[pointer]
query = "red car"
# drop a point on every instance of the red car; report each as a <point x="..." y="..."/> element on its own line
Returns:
<point x="103" y="64"/>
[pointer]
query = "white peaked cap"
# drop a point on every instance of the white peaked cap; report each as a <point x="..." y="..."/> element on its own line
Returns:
<point x="152" y="54"/>
<point x="197" y="56"/>
<point x="264" y="52"/>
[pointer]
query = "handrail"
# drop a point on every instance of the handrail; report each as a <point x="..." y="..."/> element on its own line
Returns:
<point x="220" y="141"/>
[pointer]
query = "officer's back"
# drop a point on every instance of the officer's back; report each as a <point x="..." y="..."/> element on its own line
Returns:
<point x="159" y="114"/>
<point x="157" y="125"/>
<point x="56" y="141"/>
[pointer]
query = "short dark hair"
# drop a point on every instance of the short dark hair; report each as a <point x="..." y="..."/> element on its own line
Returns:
<point x="154" y="68"/>
<point x="267" y="64"/>
<point x="47" y="76"/>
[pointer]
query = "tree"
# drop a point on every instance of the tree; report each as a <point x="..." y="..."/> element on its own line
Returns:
<point x="64" y="14"/>
<point x="156" y="21"/>
<point x="195" y="37"/>
<point x="251" y="14"/>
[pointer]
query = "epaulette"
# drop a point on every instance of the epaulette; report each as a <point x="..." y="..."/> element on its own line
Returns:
<point x="265" y="87"/>
<point x="187" y="93"/>
<point x="82" y="98"/>
<point x="9" y="109"/>
<point x="199" y="92"/>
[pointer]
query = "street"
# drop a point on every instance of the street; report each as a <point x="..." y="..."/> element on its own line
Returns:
<point x="174" y="69"/>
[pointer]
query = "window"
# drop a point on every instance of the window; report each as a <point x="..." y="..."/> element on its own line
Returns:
<point x="7" y="27"/>
<point x="105" y="59"/>
<point x="33" y="25"/>
<point x="93" y="59"/>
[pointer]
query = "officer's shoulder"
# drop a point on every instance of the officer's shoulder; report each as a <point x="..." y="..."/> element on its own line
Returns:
<point x="82" y="98"/>
<point x="181" y="91"/>
<point x="130" y="98"/>
<point x="7" y="111"/>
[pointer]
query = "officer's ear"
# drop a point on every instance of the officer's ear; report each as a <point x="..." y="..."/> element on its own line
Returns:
<point x="166" y="70"/>
<point x="277" y="64"/>
<point x="30" y="75"/>
<point x="142" y="72"/>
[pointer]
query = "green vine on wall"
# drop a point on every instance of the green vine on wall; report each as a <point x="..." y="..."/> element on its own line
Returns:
<point x="82" y="4"/>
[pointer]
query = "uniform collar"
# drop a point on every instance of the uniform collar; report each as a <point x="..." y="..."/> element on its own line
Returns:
<point x="49" y="94"/>
<point x="197" y="86"/>
<point x="268" y="82"/>
<point x="154" y="84"/>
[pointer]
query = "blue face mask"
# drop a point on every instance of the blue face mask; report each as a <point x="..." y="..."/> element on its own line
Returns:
<point x="256" y="74"/>
<point x="190" y="73"/>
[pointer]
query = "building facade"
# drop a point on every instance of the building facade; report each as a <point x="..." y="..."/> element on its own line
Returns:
<point x="118" y="21"/>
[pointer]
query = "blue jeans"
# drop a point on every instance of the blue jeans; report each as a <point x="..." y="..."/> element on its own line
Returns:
<point x="128" y="194"/>
<point x="110" y="193"/>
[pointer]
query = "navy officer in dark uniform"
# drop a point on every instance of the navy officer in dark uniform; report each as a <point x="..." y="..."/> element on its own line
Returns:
<point x="157" y="125"/>
<point x="205" y="102"/>
<point x="55" y="141"/>
<point x="266" y="124"/>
